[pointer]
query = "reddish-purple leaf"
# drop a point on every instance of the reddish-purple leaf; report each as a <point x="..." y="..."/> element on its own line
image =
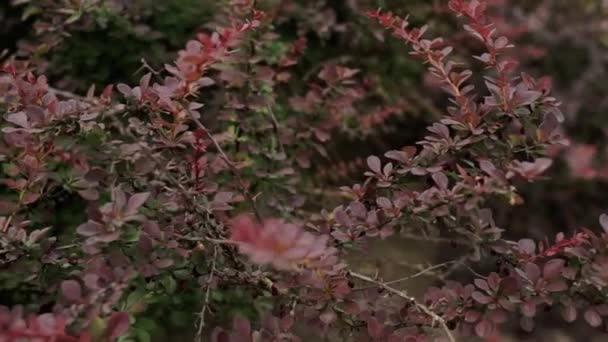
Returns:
<point x="527" y="246"/>
<point x="90" y="228"/>
<point x="557" y="286"/>
<point x="89" y="194"/>
<point x="35" y="114"/>
<point x="508" y="286"/>
<point x="527" y="324"/>
<point x="472" y="316"/>
<point x="152" y="229"/>
<point x="400" y="156"/>
<point x="441" y="180"/>
<point x="286" y="322"/>
<point x="374" y="164"/>
<point x="374" y="328"/>
<point x="494" y="281"/>
<point x="71" y="290"/>
<point x="528" y="308"/>
<point x="532" y="272"/>
<point x="485" y="328"/>
<point x="19" y="119"/>
<point x="47" y="323"/>
<point x="497" y="316"/>
<point x="358" y="209"/>
<point x="593" y="318"/>
<point x="482" y="284"/>
<point x="118" y="325"/>
<point x="219" y="335"/>
<point x="553" y="268"/>
<point x="481" y="298"/>
<point x="163" y="263"/>
<point x="569" y="313"/>
<point x="135" y="202"/>
<point x="124" y="89"/>
<point x="118" y="197"/>
<point x="242" y="326"/>
<point x="604" y="222"/>
<point x="384" y="203"/>
<point x="328" y="317"/>
<point x="487" y="167"/>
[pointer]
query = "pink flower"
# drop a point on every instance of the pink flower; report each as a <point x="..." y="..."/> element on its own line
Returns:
<point x="285" y="246"/>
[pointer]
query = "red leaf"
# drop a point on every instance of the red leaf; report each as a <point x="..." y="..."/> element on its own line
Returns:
<point x="71" y="290"/>
<point x="528" y="308"/>
<point x="135" y="202"/>
<point x="527" y="324"/>
<point x="553" y="268"/>
<point x="472" y="316"/>
<point x="593" y="318"/>
<point x="569" y="313"/>
<point x="557" y="286"/>
<point x="481" y="298"/>
<point x="532" y="272"/>
<point x="604" y="222"/>
<point x="441" y="180"/>
<point x="374" y="164"/>
<point x="117" y="325"/>
<point x="90" y="228"/>
<point x="527" y="246"/>
<point x="482" y="284"/>
<point x="485" y="328"/>
<point x="241" y="326"/>
<point x="374" y="328"/>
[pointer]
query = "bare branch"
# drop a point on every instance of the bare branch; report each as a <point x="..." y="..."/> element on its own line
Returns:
<point x="201" y="315"/>
<point x="422" y="307"/>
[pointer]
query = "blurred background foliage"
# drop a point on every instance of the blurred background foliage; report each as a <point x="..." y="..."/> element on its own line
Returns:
<point x="113" y="41"/>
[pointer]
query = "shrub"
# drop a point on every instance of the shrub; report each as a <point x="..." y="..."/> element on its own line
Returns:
<point x="195" y="181"/>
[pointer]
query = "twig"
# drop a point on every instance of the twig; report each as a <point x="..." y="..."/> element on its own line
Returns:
<point x="423" y="308"/>
<point x="201" y="322"/>
<point x="431" y="239"/>
<point x="421" y="273"/>
<point x="275" y="127"/>
<point x="69" y="95"/>
<point x="110" y="110"/>
<point x="227" y="160"/>
<point x="74" y="245"/>
<point x="460" y="262"/>
<point x="412" y="276"/>
<point x="7" y="223"/>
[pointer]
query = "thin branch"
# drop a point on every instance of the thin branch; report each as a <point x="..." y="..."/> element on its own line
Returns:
<point x="201" y="322"/>
<point x="421" y="273"/>
<point x="275" y="127"/>
<point x="432" y="239"/>
<point x="423" y="308"/>
<point x="69" y="95"/>
<point x="469" y="268"/>
<point x="110" y="110"/>
<point x="227" y="160"/>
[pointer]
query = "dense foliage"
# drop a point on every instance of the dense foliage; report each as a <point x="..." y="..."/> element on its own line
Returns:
<point x="199" y="193"/>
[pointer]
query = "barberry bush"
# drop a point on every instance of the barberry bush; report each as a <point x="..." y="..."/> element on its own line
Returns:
<point x="197" y="197"/>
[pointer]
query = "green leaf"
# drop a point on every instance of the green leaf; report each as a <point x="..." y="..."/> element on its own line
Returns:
<point x="97" y="329"/>
<point x="182" y="274"/>
<point x="133" y="298"/>
<point x="143" y="335"/>
<point x="74" y="18"/>
<point x="169" y="284"/>
<point x="30" y="11"/>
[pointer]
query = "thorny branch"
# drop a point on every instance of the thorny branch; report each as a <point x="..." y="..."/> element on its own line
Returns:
<point x="201" y="315"/>
<point x="422" y="307"/>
